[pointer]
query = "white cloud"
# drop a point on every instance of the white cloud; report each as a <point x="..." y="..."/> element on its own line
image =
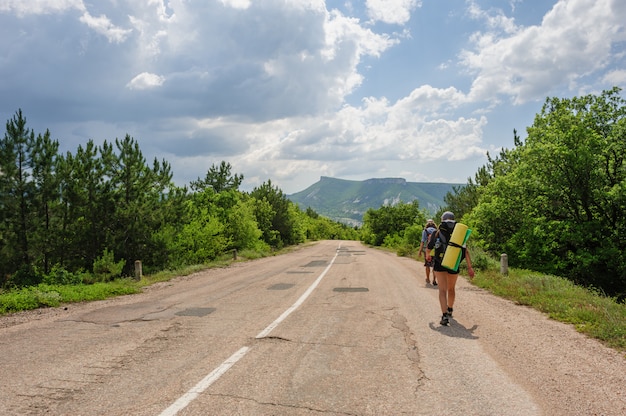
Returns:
<point x="26" y="7"/>
<point x="145" y="81"/>
<point x="294" y="89"/>
<point x="616" y="78"/>
<point x="376" y="138"/>
<point x="391" y="11"/>
<point x="574" y="40"/>
<point x="104" y="26"/>
<point x="236" y="4"/>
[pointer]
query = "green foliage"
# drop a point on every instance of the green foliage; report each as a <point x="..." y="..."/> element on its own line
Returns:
<point x="201" y="238"/>
<point x="276" y="216"/>
<point x="219" y="179"/>
<point x="388" y="223"/>
<point x="60" y="212"/>
<point x="59" y="276"/>
<point x="52" y="295"/>
<point x="26" y="275"/>
<point x="105" y="268"/>
<point x="556" y="202"/>
<point x="317" y="227"/>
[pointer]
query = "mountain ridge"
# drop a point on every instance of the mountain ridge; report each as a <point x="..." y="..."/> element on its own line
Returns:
<point x="347" y="201"/>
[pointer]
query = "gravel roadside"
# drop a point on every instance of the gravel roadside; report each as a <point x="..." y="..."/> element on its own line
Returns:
<point x="565" y="371"/>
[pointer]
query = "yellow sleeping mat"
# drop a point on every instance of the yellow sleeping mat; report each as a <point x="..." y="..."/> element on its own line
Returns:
<point x="452" y="256"/>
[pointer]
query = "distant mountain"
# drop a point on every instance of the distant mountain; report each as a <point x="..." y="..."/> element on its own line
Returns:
<point x="346" y="201"/>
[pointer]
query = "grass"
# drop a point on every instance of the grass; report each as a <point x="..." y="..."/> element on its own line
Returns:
<point x="45" y="295"/>
<point x="54" y="295"/>
<point x="591" y="312"/>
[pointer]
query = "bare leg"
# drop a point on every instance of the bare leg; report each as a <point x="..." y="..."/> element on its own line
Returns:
<point x="442" y="278"/>
<point x="451" y="289"/>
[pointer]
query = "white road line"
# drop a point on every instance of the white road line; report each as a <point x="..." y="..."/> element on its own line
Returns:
<point x="204" y="384"/>
<point x="299" y="302"/>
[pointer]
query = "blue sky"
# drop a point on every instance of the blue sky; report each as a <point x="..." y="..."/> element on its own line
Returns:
<point x="291" y="90"/>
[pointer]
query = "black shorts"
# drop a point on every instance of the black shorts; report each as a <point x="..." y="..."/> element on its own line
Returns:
<point x="439" y="268"/>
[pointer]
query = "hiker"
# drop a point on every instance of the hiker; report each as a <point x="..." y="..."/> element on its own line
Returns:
<point x="447" y="278"/>
<point x="428" y="230"/>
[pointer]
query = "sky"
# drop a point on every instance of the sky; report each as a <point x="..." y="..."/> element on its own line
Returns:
<point x="291" y="90"/>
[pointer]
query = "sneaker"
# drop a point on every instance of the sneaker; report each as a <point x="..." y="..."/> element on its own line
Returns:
<point x="427" y="281"/>
<point x="450" y="312"/>
<point x="434" y="283"/>
<point x="444" y="320"/>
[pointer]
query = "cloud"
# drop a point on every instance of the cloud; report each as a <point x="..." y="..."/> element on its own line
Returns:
<point x="573" y="41"/>
<point x="145" y="81"/>
<point x="391" y="11"/>
<point x="292" y="89"/>
<point x="22" y="8"/>
<point x="103" y="26"/>
<point x="237" y="4"/>
<point x="616" y="78"/>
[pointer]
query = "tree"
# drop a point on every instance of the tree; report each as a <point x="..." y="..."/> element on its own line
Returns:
<point x="391" y="221"/>
<point x="219" y="179"/>
<point x="138" y="191"/>
<point x="463" y="199"/>
<point x="556" y="203"/>
<point x="46" y="228"/>
<point x="282" y="227"/>
<point x="17" y="197"/>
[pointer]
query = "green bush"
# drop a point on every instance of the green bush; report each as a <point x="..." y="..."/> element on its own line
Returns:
<point x="26" y="275"/>
<point x="59" y="276"/>
<point x="105" y="268"/>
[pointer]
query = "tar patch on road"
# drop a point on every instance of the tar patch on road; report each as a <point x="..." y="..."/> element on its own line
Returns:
<point x="316" y="263"/>
<point x="351" y="289"/>
<point x="281" y="286"/>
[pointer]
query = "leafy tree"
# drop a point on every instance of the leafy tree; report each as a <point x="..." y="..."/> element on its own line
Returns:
<point x="201" y="237"/>
<point x="557" y="203"/>
<point x="463" y="199"/>
<point x="276" y="216"/>
<point x="241" y="227"/>
<point x="390" y="222"/>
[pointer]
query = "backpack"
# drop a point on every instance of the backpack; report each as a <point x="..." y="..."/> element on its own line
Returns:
<point x="429" y="232"/>
<point x="441" y="244"/>
<point x="443" y="237"/>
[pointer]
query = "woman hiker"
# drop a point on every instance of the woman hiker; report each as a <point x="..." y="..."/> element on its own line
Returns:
<point x="446" y="278"/>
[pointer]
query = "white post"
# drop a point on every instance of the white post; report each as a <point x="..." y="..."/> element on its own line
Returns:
<point x="138" y="272"/>
<point x="504" y="264"/>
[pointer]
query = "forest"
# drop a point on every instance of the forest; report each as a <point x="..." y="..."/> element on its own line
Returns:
<point x="555" y="203"/>
<point x="87" y="216"/>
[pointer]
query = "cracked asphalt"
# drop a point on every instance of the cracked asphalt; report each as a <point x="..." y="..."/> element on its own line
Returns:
<point x="367" y="341"/>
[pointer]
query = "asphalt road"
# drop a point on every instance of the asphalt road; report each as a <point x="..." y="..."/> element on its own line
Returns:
<point x="334" y="328"/>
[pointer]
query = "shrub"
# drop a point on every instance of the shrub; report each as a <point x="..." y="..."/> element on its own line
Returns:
<point x="59" y="276"/>
<point x="105" y="268"/>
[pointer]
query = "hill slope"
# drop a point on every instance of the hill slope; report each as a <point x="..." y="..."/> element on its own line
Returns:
<point x="346" y="201"/>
